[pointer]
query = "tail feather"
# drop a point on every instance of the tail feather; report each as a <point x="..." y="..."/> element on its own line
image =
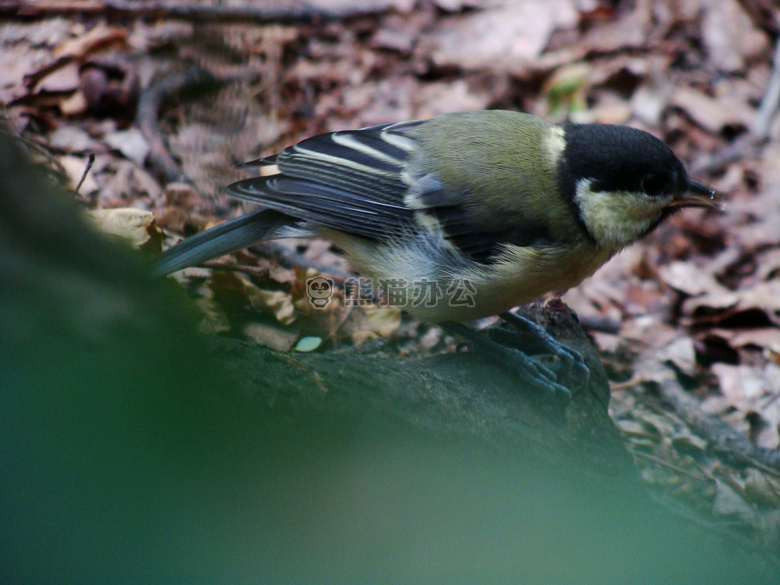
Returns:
<point x="227" y="237"/>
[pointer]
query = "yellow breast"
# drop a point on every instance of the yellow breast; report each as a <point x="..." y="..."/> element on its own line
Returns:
<point x="433" y="287"/>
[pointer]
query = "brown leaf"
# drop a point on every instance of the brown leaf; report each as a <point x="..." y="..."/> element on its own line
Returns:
<point x="765" y="338"/>
<point x="649" y="331"/>
<point x="278" y="303"/>
<point x="100" y="36"/>
<point x="768" y="264"/>
<point x="137" y="226"/>
<point x="129" y="182"/>
<point x="740" y="385"/>
<point x="728" y="502"/>
<point x="73" y="139"/>
<point x="651" y="98"/>
<point x="730" y="37"/>
<point x="688" y="278"/>
<point x="74" y="105"/>
<point x="626" y="32"/>
<point x="762" y="488"/>
<point x="131" y="143"/>
<point x="499" y="37"/>
<point x="682" y="354"/>
<point x="454" y="96"/>
<point x="711" y="114"/>
<point x="371" y="322"/>
<point x="234" y="288"/>
<point x="720" y="300"/>
<point x="215" y="320"/>
<point x="62" y="78"/>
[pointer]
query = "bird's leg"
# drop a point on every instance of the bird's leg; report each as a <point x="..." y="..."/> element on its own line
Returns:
<point x="534" y="339"/>
<point x="530" y="371"/>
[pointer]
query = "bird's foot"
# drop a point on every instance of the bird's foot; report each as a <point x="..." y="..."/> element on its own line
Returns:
<point x="531" y="338"/>
<point x="531" y="371"/>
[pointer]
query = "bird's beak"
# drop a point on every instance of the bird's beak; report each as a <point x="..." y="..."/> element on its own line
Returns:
<point x="698" y="195"/>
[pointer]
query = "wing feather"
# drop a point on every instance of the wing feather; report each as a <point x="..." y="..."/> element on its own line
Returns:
<point x="366" y="182"/>
<point x="351" y="181"/>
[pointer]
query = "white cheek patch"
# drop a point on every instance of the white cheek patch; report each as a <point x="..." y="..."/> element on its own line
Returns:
<point x="618" y="218"/>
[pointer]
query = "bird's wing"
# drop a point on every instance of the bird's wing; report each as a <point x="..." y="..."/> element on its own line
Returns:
<point x="351" y="181"/>
<point x="368" y="183"/>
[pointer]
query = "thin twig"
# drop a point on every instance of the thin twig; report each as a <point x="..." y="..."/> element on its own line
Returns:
<point x="771" y="101"/>
<point x="90" y="162"/>
<point x="152" y="98"/>
<point x="123" y="9"/>
<point x="306" y="369"/>
<point x="149" y="104"/>
<point x="722" y="438"/>
<point x="635" y="380"/>
<point x="678" y="469"/>
<point x="747" y="146"/>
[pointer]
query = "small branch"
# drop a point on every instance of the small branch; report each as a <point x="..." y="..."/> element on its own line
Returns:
<point x="149" y="104"/>
<point x="124" y="9"/>
<point x="771" y="101"/>
<point x="722" y="438"/>
<point x="90" y="162"/>
<point x="306" y="369"/>
<point x="672" y="466"/>
<point x="747" y="146"/>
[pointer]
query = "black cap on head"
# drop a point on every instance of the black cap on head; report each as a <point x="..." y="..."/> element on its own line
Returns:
<point x="618" y="158"/>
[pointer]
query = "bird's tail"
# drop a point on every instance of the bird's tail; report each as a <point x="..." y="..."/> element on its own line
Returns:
<point x="227" y="237"/>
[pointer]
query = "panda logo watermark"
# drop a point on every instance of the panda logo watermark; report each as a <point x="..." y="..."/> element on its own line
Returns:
<point x="397" y="292"/>
<point x="319" y="290"/>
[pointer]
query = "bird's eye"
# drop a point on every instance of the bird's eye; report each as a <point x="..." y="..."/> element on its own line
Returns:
<point x="653" y="184"/>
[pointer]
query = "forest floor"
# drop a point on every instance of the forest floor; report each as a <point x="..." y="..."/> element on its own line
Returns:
<point x="169" y="100"/>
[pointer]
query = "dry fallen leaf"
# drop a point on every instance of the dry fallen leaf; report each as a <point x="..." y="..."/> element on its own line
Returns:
<point x="131" y="143"/>
<point x="682" y="353"/>
<point x="74" y="105"/>
<point x="99" y="37"/>
<point x="73" y="139"/>
<point x="730" y="37"/>
<point x="651" y="99"/>
<point x="128" y="182"/>
<point x="687" y="277"/>
<point x="371" y="322"/>
<point x="516" y="31"/>
<point x="708" y="112"/>
<point x="60" y="79"/>
<point x="233" y="288"/>
<point x="762" y="488"/>
<point x="728" y="502"/>
<point x="766" y="338"/>
<point x="278" y="303"/>
<point x="137" y="226"/>
<point x="619" y="34"/>
<point x="738" y="384"/>
<point x="215" y="320"/>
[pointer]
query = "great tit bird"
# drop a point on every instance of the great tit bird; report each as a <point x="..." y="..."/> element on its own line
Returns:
<point x="491" y="209"/>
